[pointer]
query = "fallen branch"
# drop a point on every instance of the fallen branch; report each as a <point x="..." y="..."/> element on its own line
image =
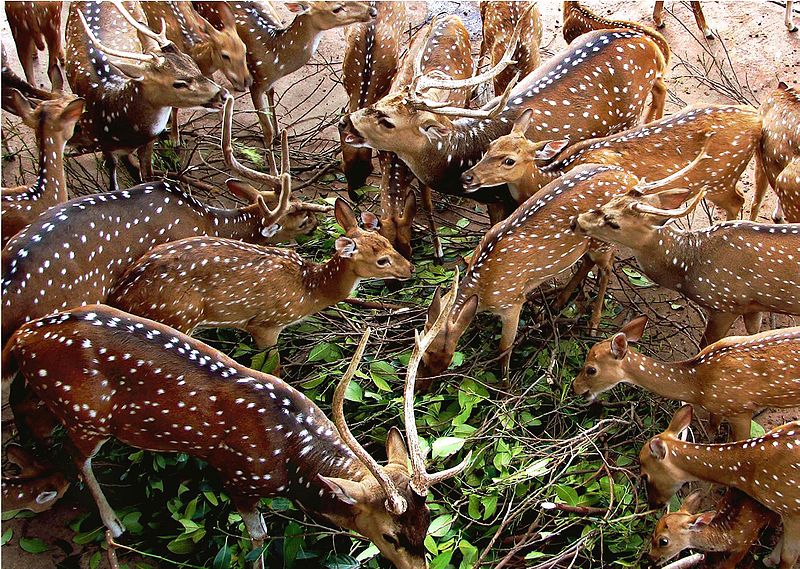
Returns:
<point x="686" y="562"/>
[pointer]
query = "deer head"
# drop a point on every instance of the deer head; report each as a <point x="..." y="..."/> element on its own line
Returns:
<point x="329" y="15"/>
<point x="677" y="531"/>
<point x="228" y="52"/>
<point x="661" y="476"/>
<point x="603" y="368"/>
<point x="36" y="487"/>
<point x="54" y="119"/>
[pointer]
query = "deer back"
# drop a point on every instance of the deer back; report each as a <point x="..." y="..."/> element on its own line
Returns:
<point x="499" y="21"/>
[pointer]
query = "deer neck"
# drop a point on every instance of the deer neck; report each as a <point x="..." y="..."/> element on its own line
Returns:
<point x="203" y="55"/>
<point x="294" y="45"/>
<point x="669" y="380"/>
<point x="51" y="183"/>
<point x="666" y="256"/>
<point x="732" y="466"/>
<point x="244" y="223"/>
<point x="329" y="283"/>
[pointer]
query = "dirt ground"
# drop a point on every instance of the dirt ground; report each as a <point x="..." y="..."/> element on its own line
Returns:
<point x="755" y="47"/>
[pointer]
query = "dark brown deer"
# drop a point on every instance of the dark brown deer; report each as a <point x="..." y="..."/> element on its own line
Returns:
<point x="53" y="121"/>
<point x="211" y="281"/>
<point x="765" y="468"/>
<point x="370" y="62"/>
<point x="164" y="391"/>
<point x="35" y="487"/>
<point x="730" y="269"/>
<point x="778" y="157"/>
<point x="129" y="81"/>
<point x="36" y="25"/>
<point x="567" y="96"/>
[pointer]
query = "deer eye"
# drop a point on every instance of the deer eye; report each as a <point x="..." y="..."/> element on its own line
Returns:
<point x="180" y="85"/>
<point x="663" y="542"/>
<point x="226" y="57"/>
<point x="385" y="123"/>
<point x="591" y="370"/>
<point x="611" y="224"/>
<point x="384" y="262"/>
<point x="390" y="539"/>
<point x="509" y="161"/>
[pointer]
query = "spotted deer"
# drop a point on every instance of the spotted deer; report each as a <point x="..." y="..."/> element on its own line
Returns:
<point x="53" y="121"/>
<point x="211" y="281"/>
<point x="566" y="96"/>
<point x="499" y="21"/>
<point x="730" y="269"/>
<point x="130" y="78"/>
<point x="34" y="26"/>
<point x="697" y="11"/>
<point x="371" y="55"/>
<point x="778" y="157"/>
<point x="732" y="378"/>
<point x="275" y="51"/>
<point x="765" y="468"/>
<point x="164" y="391"/>
<point x="727" y="532"/>
<point x="12" y="82"/>
<point x="35" y="486"/>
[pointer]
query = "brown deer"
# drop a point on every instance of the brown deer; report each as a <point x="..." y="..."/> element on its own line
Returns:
<point x="579" y="20"/>
<point x="165" y="391"/>
<point x="53" y="121"/>
<point x="778" y="157"/>
<point x="732" y="378"/>
<point x="210" y="281"/>
<point x="35" y="25"/>
<point x="371" y="55"/>
<point x="765" y="468"/>
<point x="130" y="78"/>
<point x="623" y="63"/>
<point x="275" y="51"/>
<point x="730" y="269"/>
<point x="35" y="487"/>
<point x="728" y="532"/>
<point x="499" y="21"/>
<point x="12" y="82"/>
<point x="697" y="11"/>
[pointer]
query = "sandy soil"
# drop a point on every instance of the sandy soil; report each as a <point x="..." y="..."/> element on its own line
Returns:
<point x="752" y="39"/>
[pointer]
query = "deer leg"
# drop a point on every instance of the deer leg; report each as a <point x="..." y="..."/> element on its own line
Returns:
<point x="254" y="523"/>
<point x="265" y="339"/>
<point x="761" y="183"/>
<point x="110" y="520"/>
<point x="580" y="275"/>
<point x="111" y="552"/>
<point x="717" y="327"/>
<point x="27" y="53"/>
<point x="175" y="133"/>
<point x="111" y="166"/>
<point x="697" y="10"/>
<point x="260" y="105"/>
<point x="145" y="156"/>
<point x="752" y="322"/>
<point x="427" y="202"/>
<point x="740" y="426"/>
<point x="789" y="19"/>
<point x="510" y="319"/>
<point x="658" y="10"/>
<point x="730" y="200"/>
<point x="659" y="96"/>
<point x="714" y="422"/>
<point x="790" y="546"/>
<point x="787" y="184"/>
<point x="273" y="118"/>
<point x="604" y="260"/>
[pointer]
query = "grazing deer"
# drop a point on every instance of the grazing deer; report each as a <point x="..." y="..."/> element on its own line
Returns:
<point x="164" y="391"/>
<point x="778" y="157"/>
<point x="53" y="121"/>
<point x="36" y="487"/>
<point x="728" y="533"/>
<point x="697" y="11"/>
<point x="499" y="21"/>
<point x="730" y="269"/>
<point x="275" y="51"/>
<point x="129" y="81"/>
<point x="35" y="25"/>
<point x="210" y="281"/>
<point x="765" y="468"/>
<point x="371" y="55"/>
<point x="579" y="20"/>
<point x="566" y="96"/>
<point x="732" y="378"/>
<point x="515" y="256"/>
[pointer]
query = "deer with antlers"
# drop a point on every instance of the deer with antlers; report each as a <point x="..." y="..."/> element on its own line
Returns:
<point x="34" y="26"/>
<point x="732" y="378"/>
<point x="778" y="157"/>
<point x="371" y="55"/>
<point x="53" y="121"/>
<point x="765" y="468"/>
<point x="35" y="486"/>
<point x="130" y="77"/>
<point x="499" y="21"/>
<point x="275" y="51"/>
<point x="564" y="95"/>
<point x="168" y="392"/>
<point x="728" y="531"/>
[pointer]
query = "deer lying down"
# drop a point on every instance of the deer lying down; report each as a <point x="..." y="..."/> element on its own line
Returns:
<point x="728" y="533"/>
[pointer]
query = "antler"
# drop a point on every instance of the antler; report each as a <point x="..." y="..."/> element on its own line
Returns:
<point x="442" y="108"/>
<point x="241" y="170"/>
<point x="395" y="503"/>
<point x="421" y="480"/>
<point x="160" y="38"/>
<point x="645" y="186"/>
<point x="145" y="57"/>
<point x="679" y="212"/>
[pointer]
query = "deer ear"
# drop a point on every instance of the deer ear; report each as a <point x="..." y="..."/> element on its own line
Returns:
<point x="344" y="215"/>
<point x="396" y="452"/>
<point x="46" y="496"/>
<point x="242" y="190"/>
<point x="435" y="307"/>
<point x="702" y="520"/>
<point x="226" y="15"/>
<point x="23" y="107"/>
<point x="681" y="420"/>
<point x="130" y="70"/>
<point x="619" y="345"/>
<point x="669" y="199"/>
<point x="658" y="448"/>
<point x="433" y="129"/>
<point x="346" y="247"/>
<point x="523" y="122"/>
<point x="410" y="206"/>
<point x="298" y="7"/>
<point x="467" y="312"/>
<point x="345" y="490"/>
<point x="634" y="329"/>
<point x="73" y="111"/>
<point x="550" y="150"/>
<point x="370" y="220"/>
<point x="691" y="503"/>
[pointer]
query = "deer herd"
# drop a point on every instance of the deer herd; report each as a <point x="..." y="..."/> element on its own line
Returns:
<point x="573" y="158"/>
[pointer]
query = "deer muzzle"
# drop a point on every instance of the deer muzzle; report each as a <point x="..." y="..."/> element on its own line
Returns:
<point x="349" y="134"/>
<point x="470" y="182"/>
<point x="217" y="101"/>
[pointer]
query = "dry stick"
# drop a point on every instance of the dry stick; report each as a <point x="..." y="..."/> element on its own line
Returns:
<point x="686" y="562"/>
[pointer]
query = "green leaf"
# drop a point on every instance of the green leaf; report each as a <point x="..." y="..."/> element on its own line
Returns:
<point x="370" y="552"/>
<point x="756" y="430"/>
<point x="341" y="562"/>
<point x="445" y="446"/>
<point x="440" y="525"/>
<point x="33" y="545"/>
<point x="7" y="535"/>
<point x="89" y="536"/>
<point x="211" y="497"/>
<point x="181" y="545"/>
<point x="636" y="278"/>
<point x="293" y="543"/>
<point x="325" y="352"/>
<point x="489" y="506"/>
<point x="382" y="373"/>
<point x="222" y="560"/>
<point x="469" y="554"/>
<point x="354" y="392"/>
<point x="474" y="510"/>
<point x="94" y="561"/>
<point x="442" y="560"/>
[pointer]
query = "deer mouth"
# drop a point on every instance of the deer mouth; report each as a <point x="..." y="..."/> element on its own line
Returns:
<point x="217" y="101"/>
<point x="349" y="134"/>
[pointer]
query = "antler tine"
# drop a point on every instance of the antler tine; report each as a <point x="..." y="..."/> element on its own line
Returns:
<point x="441" y="108"/>
<point x="679" y="212"/>
<point x="285" y="163"/>
<point x="230" y="159"/>
<point x="645" y="186"/>
<point x="395" y="503"/>
<point x="160" y="38"/>
<point x="420" y="479"/>
<point x="111" y="51"/>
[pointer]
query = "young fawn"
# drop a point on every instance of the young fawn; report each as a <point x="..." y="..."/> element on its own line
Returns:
<point x="778" y="157"/>
<point x="727" y="533"/>
<point x="36" y="487"/>
<point x="103" y="373"/>
<point x="765" y="468"/>
<point x="732" y="378"/>
<point x="499" y="21"/>
<point x="34" y="25"/>
<point x="53" y="121"/>
<point x="730" y="269"/>
<point x="209" y="281"/>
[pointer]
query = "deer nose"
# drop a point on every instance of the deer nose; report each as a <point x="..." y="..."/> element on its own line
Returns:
<point x="373" y="11"/>
<point x="344" y="122"/>
<point x="573" y="225"/>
